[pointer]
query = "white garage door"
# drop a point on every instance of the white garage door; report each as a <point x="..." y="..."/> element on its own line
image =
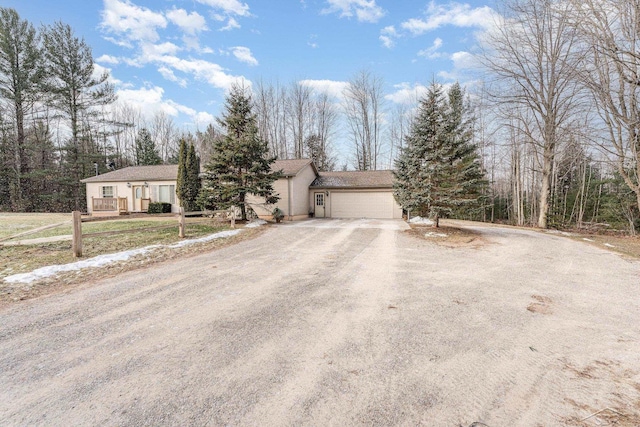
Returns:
<point x="362" y="205"/>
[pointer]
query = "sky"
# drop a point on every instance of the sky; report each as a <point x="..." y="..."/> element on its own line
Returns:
<point x="180" y="56"/>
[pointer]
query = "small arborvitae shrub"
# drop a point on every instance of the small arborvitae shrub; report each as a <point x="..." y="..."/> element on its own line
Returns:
<point x="159" y="207"/>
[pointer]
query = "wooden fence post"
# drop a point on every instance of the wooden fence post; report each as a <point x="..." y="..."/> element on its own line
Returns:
<point x="232" y="215"/>
<point x="76" y="244"/>
<point x="181" y="223"/>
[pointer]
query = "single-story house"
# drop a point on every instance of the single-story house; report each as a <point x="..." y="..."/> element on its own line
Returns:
<point x="131" y="189"/>
<point x="303" y="191"/>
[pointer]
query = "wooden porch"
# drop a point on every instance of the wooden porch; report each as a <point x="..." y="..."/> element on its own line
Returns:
<point x="109" y="206"/>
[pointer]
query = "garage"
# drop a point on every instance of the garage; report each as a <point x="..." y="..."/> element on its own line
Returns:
<point x="354" y="194"/>
<point x="367" y="204"/>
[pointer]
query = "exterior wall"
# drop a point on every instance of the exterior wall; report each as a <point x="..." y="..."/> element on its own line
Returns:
<point x="301" y="183"/>
<point x="122" y="190"/>
<point x="293" y="193"/>
<point x="395" y="211"/>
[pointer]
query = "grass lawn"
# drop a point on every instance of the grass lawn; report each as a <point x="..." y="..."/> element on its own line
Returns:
<point x="25" y="258"/>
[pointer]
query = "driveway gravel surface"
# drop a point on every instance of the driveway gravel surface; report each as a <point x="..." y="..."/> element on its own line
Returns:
<point x="329" y="322"/>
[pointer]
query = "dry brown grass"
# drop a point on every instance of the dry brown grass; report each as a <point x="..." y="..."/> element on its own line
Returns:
<point x="20" y="259"/>
<point x="449" y="236"/>
<point x="626" y="245"/>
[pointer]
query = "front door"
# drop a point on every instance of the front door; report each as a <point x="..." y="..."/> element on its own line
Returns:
<point x="319" y="210"/>
<point x="138" y="195"/>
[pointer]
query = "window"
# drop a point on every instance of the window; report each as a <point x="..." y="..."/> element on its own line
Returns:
<point x="107" y="192"/>
<point x="164" y="193"/>
<point x="319" y="199"/>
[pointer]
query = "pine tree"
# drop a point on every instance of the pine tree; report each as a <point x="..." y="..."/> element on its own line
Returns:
<point x="438" y="171"/>
<point x="188" y="185"/>
<point x="240" y="163"/>
<point x="20" y="76"/>
<point x="74" y="91"/>
<point x="146" y="151"/>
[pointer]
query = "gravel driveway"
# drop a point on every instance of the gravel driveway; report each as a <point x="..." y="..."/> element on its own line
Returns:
<point x="327" y="322"/>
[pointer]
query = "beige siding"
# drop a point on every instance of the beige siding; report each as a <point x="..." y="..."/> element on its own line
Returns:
<point x="362" y="204"/>
<point x="293" y="193"/>
<point x="121" y="189"/>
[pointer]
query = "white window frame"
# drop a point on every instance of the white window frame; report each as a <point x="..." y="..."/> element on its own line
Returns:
<point x="104" y="194"/>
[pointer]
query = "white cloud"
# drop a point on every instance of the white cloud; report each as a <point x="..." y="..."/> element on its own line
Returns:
<point x="228" y="6"/>
<point x="168" y="74"/>
<point x="232" y="24"/>
<point x="149" y="51"/>
<point x="364" y="10"/>
<point x="131" y="21"/>
<point x="331" y="87"/>
<point x="243" y="54"/>
<point x="387" y="36"/>
<point x="206" y="71"/>
<point x="190" y="23"/>
<point x="150" y="100"/>
<point x="98" y="72"/>
<point x="108" y="59"/>
<point x="432" y="52"/>
<point x="456" y="14"/>
<point x="407" y="94"/>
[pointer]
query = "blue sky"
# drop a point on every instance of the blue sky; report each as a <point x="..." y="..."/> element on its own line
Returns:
<point x="180" y="56"/>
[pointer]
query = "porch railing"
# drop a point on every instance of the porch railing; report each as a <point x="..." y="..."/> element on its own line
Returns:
<point x="109" y="204"/>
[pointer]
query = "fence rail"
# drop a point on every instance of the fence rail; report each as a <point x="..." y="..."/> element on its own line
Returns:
<point x="77" y="220"/>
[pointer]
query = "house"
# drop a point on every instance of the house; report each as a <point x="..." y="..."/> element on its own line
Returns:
<point x="303" y="192"/>
<point x="132" y="189"/>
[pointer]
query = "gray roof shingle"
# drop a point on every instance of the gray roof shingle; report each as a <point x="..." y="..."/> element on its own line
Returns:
<point x="354" y="179"/>
<point x="291" y="167"/>
<point x="138" y="173"/>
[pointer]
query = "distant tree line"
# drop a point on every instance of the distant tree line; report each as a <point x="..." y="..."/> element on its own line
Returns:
<point x="555" y="123"/>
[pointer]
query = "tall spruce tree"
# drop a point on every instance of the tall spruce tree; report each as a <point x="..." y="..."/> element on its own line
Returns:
<point x="240" y="164"/>
<point x="439" y="171"/>
<point x="188" y="185"/>
<point x="146" y="150"/>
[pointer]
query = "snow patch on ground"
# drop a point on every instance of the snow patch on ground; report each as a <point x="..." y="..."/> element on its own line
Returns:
<point x="205" y="238"/>
<point x="102" y="260"/>
<point x="256" y="223"/>
<point x="421" y="220"/>
<point x="588" y="240"/>
<point x="432" y="234"/>
<point x="609" y="245"/>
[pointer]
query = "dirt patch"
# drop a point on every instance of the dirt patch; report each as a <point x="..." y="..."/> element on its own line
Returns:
<point x="540" y="305"/>
<point x="626" y="245"/>
<point x="452" y="237"/>
<point x="12" y="293"/>
<point x="621" y="411"/>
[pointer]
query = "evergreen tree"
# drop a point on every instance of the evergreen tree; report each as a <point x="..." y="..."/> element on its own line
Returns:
<point x="20" y="76"/>
<point x="193" y="176"/>
<point x="188" y="185"/>
<point x="240" y="163"/>
<point x="74" y="91"/>
<point x="439" y="172"/>
<point x="146" y="151"/>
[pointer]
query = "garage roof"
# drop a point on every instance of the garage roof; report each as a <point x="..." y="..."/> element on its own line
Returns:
<point x="138" y="173"/>
<point x="292" y="167"/>
<point x="354" y="179"/>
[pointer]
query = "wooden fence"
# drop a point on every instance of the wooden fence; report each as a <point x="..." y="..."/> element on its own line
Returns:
<point x="78" y="235"/>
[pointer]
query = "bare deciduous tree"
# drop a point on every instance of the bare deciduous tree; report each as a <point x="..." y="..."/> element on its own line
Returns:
<point x="612" y="73"/>
<point x="531" y="52"/>
<point x="363" y="106"/>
